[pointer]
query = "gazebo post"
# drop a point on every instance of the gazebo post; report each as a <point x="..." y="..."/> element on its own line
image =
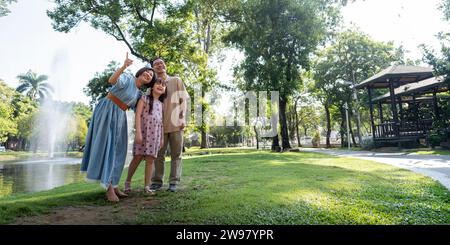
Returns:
<point x="400" y="107"/>
<point x="435" y="104"/>
<point x="393" y="107"/>
<point x="416" y="111"/>
<point x="369" y="90"/>
<point x="380" y="115"/>
<point x="380" y="111"/>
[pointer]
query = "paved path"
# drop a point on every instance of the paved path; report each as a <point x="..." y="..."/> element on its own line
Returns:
<point x="434" y="166"/>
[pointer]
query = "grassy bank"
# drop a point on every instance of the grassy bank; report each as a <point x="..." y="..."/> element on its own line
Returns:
<point x="20" y="155"/>
<point x="255" y="187"/>
<point x="420" y="151"/>
<point x="430" y="152"/>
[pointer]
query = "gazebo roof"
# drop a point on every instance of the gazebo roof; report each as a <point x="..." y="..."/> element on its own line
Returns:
<point x="398" y="73"/>
<point x="419" y="88"/>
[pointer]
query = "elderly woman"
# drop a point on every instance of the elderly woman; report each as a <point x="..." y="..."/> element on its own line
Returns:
<point x="107" y="139"/>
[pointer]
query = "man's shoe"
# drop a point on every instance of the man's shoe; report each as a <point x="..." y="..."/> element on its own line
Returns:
<point x="155" y="187"/>
<point x="148" y="190"/>
<point x="172" y="188"/>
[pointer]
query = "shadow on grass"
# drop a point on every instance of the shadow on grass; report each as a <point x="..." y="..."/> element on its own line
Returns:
<point x="37" y="203"/>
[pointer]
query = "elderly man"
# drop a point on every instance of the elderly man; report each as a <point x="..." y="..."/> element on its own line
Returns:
<point x="174" y="123"/>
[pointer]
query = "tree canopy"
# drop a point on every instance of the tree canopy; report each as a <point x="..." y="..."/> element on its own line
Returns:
<point x="149" y="28"/>
<point x="34" y="85"/>
<point x="278" y="38"/>
<point x="4" y="7"/>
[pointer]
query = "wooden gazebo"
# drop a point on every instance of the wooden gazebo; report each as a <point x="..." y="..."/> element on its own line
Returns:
<point x="411" y="85"/>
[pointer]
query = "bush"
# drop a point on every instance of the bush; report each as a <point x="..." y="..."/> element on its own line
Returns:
<point x="316" y="139"/>
<point x="368" y="144"/>
<point x="436" y="138"/>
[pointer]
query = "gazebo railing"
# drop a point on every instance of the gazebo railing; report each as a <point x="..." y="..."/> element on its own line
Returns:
<point x="385" y="130"/>
<point x="389" y="129"/>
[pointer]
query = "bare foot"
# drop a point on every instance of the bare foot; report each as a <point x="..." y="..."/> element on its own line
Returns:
<point x="112" y="197"/>
<point x="119" y="193"/>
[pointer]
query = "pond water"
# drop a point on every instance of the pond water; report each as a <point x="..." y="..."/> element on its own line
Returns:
<point x="34" y="175"/>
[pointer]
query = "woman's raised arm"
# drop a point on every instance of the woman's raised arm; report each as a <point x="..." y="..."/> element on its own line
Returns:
<point x="113" y="79"/>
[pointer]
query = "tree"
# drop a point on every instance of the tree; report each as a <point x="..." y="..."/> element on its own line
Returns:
<point x="149" y="28"/>
<point x="82" y="110"/>
<point x="440" y="62"/>
<point x="24" y="135"/>
<point x="278" y="38"/>
<point x="76" y="132"/>
<point x="351" y="58"/>
<point x="308" y="118"/>
<point x="207" y="31"/>
<point x="24" y="114"/>
<point x="3" y="7"/>
<point x="34" y="85"/>
<point x="98" y="86"/>
<point x="81" y="114"/>
<point x="7" y="125"/>
<point x="184" y="33"/>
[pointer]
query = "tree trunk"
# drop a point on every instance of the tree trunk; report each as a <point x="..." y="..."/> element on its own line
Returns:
<point x="327" y="114"/>
<point x="299" y="144"/>
<point x="284" y="130"/>
<point x="356" y="110"/>
<point x="276" y="144"/>
<point x="204" y="144"/>
<point x="257" y="137"/>
<point x="343" y="130"/>
<point x="20" y="144"/>
<point x="7" y="143"/>
<point x="206" y="45"/>
<point x="351" y="131"/>
<point x="358" y="126"/>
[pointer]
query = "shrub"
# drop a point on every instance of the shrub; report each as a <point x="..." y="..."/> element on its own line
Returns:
<point x="368" y="144"/>
<point x="435" y="138"/>
<point x="316" y="139"/>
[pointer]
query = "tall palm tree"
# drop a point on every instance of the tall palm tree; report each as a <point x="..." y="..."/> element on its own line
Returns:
<point x="34" y="85"/>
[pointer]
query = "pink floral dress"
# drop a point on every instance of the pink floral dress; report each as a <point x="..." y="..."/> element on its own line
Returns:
<point x="152" y="129"/>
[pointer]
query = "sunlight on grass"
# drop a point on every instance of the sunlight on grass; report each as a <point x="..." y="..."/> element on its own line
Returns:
<point x="433" y="152"/>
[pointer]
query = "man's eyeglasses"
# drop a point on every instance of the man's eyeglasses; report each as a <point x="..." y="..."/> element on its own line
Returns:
<point x="160" y="82"/>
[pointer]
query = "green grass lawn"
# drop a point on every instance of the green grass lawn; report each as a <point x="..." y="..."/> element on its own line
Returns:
<point x="259" y="187"/>
<point x="431" y="152"/>
<point x="423" y="151"/>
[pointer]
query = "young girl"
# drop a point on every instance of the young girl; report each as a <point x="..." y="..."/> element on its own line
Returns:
<point x="149" y="132"/>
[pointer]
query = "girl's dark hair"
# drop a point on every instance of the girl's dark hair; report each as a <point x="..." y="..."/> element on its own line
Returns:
<point x="150" y="95"/>
<point x="144" y="69"/>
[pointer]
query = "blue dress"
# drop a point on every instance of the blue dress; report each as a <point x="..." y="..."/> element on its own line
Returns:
<point x="107" y="138"/>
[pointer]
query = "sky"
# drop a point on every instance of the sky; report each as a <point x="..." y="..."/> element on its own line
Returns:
<point x="28" y="41"/>
<point x="406" y="22"/>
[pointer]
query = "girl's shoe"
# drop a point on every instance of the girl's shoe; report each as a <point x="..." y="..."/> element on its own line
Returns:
<point x="148" y="190"/>
<point x="119" y="193"/>
<point x="127" y="188"/>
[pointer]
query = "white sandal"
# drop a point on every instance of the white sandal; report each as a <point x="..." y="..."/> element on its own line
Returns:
<point x="127" y="188"/>
<point x="148" y="190"/>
